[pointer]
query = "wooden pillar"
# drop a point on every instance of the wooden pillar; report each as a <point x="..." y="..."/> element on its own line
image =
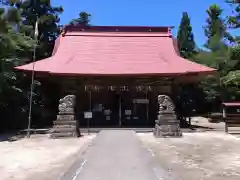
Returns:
<point x="224" y="115"/>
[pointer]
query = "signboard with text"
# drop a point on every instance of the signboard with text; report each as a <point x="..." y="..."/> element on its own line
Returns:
<point x="88" y="115"/>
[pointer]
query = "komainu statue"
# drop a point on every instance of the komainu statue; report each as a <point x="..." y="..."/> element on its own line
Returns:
<point x="165" y="103"/>
<point x="67" y="104"/>
<point x="66" y="124"/>
<point x="167" y="124"/>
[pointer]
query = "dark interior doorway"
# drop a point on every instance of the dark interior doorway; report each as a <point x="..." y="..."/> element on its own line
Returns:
<point x="116" y="109"/>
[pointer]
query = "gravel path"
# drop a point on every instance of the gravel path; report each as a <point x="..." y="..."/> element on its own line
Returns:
<point x="118" y="155"/>
<point x="197" y="156"/>
<point x="39" y="157"/>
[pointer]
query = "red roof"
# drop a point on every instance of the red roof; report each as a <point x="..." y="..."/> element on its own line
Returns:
<point x="101" y="50"/>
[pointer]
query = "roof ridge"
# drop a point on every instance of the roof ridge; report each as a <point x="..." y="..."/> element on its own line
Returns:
<point x="71" y="28"/>
<point x="114" y="34"/>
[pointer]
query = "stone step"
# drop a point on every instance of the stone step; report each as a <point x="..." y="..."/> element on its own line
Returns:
<point x="66" y="118"/>
<point x="168" y="122"/>
<point x="64" y="126"/>
<point x="69" y="112"/>
<point x="62" y="135"/>
<point x="64" y="122"/>
<point x="60" y="130"/>
<point x="170" y="117"/>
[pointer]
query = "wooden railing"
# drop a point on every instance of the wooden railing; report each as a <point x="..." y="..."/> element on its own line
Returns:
<point x="232" y="120"/>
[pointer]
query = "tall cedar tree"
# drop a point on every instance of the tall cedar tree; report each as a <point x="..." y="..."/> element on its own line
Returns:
<point x="186" y="45"/>
<point x="215" y="30"/>
<point x="48" y="22"/>
<point x="185" y="38"/>
<point x="49" y="29"/>
<point x="83" y="19"/>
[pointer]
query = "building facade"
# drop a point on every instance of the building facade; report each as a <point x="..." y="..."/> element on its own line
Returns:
<point x="116" y="72"/>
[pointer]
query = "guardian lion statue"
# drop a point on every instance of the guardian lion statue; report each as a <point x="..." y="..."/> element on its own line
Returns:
<point x="67" y="103"/>
<point x="165" y="103"/>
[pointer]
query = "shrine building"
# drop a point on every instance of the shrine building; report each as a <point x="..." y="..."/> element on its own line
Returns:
<point x="115" y="72"/>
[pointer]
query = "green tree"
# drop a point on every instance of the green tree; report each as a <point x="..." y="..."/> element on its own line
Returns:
<point x="215" y="29"/>
<point x="218" y="55"/>
<point x="233" y="77"/>
<point x="83" y="19"/>
<point x="17" y="29"/>
<point x="48" y="22"/>
<point x="14" y="50"/>
<point x="185" y="38"/>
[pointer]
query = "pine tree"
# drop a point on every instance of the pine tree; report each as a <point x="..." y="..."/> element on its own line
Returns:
<point x="84" y="19"/>
<point x="215" y="30"/>
<point x="185" y="37"/>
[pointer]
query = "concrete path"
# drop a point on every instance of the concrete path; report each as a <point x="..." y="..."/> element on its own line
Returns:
<point x="118" y="155"/>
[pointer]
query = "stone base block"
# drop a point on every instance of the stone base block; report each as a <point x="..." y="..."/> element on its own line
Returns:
<point x="167" y="116"/>
<point x="70" y="112"/>
<point x="167" y="122"/>
<point x="162" y="131"/>
<point x="66" y="117"/>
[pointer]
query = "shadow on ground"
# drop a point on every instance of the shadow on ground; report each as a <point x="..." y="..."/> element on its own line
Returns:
<point x="11" y="137"/>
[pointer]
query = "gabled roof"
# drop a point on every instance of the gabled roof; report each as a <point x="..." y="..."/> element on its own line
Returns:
<point x="112" y="50"/>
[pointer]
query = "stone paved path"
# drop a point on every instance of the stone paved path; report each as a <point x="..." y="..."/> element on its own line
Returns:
<point x="118" y="155"/>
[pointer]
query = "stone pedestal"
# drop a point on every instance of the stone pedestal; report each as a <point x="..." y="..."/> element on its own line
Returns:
<point x="167" y="124"/>
<point x="66" y="124"/>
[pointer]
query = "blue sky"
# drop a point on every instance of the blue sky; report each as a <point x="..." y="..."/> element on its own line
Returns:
<point x="142" y="12"/>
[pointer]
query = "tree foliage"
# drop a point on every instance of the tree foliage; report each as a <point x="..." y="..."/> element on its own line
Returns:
<point x="233" y="77"/>
<point x="14" y="49"/>
<point x="17" y="22"/>
<point x="215" y="28"/>
<point x="222" y="55"/>
<point x="83" y="19"/>
<point x="234" y="19"/>
<point x="48" y="22"/>
<point x="185" y="38"/>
